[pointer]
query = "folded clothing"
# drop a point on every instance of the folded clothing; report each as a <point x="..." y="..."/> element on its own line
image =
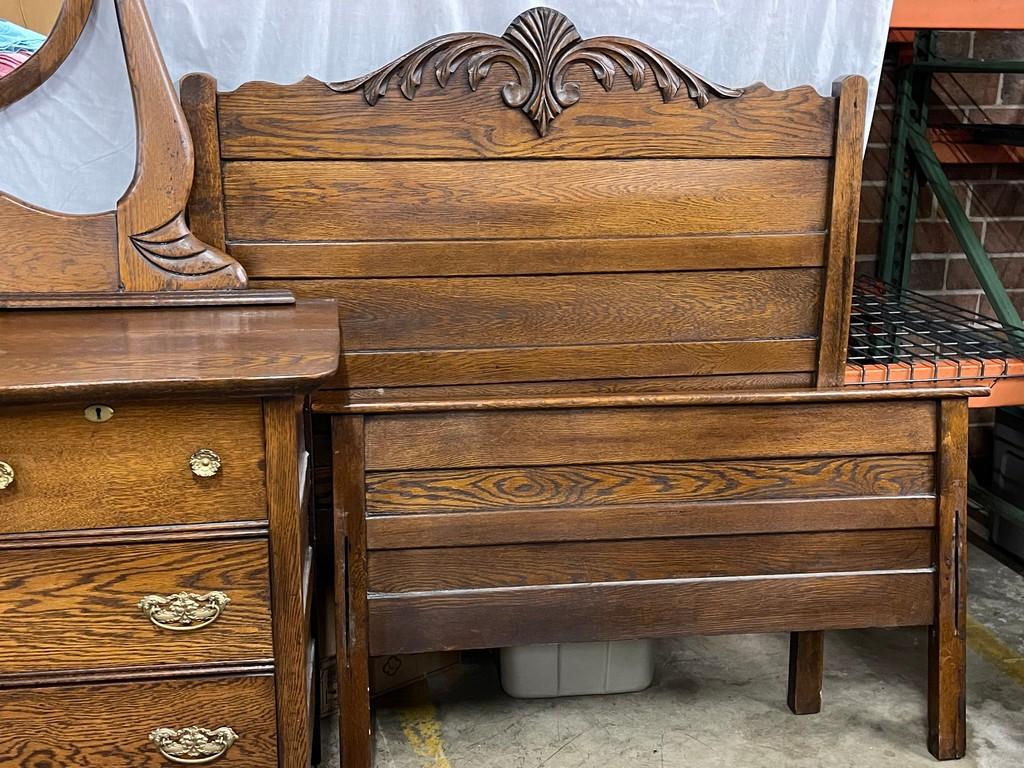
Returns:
<point x="11" y="61"/>
<point x="15" y="39"/>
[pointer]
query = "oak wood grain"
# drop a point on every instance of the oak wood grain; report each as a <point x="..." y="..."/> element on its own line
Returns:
<point x="702" y="518"/>
<point x="440" y="258"/>
<point x="420" y="622"/>
<point x="570" y="362"/>
<point x="746" y="389"/>
<point x="459" y="313"/>
<point x="103" y="353"/>
<point x="852" y="93"/>
<point x="350" y="586"/>
<point x="155" y="249"/>
<point x="306" y="120"/>
<point x="76" y="608"/>
<point x="356" y="200"/>
<point x="445" y="568"/>
<point x="63" y="254"/>
<point x="289" y="543"/>
<point x="947" y="636"/>
<point x="806" y="669"/>
<point x="198" y="95"/>
<point x="108" y="726"/>
<point x="629" y="484"/>
<point x="587" y="436"/>
<point x="132" y="470"/>
<point x="330" y="400"/>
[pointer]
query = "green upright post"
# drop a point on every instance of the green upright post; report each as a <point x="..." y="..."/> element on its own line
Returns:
<point x="900" y="211"/>
<point x="975" y="251"/>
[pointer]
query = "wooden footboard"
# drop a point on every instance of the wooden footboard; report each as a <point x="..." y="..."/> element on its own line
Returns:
<point x="485" y="528"/>
<point x="511" y="527"/>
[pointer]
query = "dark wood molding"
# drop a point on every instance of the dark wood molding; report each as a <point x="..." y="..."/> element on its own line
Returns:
<point x="540" y="45"/>
<point x="43" y="63"/>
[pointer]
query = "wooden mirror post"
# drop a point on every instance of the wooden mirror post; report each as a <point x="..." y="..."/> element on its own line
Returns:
<point x="144" y="249"/>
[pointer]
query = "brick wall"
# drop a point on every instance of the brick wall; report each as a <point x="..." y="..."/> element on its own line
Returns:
<point x="993" y="194"/>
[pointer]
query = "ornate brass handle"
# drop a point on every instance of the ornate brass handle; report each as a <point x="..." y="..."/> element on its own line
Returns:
<point x="184" y="611"/>
<point x="6" y="475"/>
<point x="204" y="463"/>
<point x="193" y="745"/>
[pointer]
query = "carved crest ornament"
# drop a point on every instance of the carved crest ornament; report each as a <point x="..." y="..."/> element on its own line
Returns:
<point x="540" y="45"/>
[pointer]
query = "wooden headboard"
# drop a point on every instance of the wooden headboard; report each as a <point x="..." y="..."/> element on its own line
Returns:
<point x="518" y="212"/>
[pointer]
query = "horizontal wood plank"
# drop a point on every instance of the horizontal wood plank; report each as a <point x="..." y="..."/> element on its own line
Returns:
<point x="55" y="252"/>
<point x="76" y="608"/>
<point x="627" y="484"/>
<point x="535" y="311"/>
<point x="438" y="258"/>
<point x="577" y="436"/>
<point x="148" y="351"/>
<point x="702" y="518"/>
<point x="108" y="725"/>
<point x="307" y="120"/>
<point x="333" y="400"/>
<point x="570" y="362"/>
<point x="417" y="200"/>
<point x="420" y="622"/>
<point x="133" y="470"/>
<point x="446" y="568"/>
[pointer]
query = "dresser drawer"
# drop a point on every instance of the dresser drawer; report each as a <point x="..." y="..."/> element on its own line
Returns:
<point x="134" y="469"/>
<point x="78" y="608"/>
<point x="124" y="725"/>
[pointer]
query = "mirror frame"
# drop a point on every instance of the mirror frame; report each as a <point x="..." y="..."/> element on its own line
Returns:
<point x="51" y="54"/>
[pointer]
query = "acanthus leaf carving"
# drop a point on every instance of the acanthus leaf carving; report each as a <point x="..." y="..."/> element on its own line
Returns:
<point x="540" y="45"/>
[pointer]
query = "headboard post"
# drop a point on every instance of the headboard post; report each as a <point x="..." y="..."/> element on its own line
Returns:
<point x="842" y="232"/>
<point x="206" y="201"/>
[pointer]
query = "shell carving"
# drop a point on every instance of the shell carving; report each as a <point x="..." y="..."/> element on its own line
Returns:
<point x="539" y="45"/>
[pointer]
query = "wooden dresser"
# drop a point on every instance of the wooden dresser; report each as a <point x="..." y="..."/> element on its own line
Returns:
<point x="156" y="552"/>
<point x="156" y="563"/>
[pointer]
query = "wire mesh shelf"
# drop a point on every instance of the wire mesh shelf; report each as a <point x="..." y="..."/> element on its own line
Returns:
<point x="905" y="336"/>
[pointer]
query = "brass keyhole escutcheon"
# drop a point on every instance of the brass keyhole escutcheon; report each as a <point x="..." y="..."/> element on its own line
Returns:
<point x="98" y="414"/>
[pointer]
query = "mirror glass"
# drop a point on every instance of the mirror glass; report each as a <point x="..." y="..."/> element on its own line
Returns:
<point x="24" y="27"/>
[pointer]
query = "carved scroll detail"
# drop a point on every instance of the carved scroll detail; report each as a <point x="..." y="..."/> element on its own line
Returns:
<point x="173" y="250"/>
<point x="539" y="45"/>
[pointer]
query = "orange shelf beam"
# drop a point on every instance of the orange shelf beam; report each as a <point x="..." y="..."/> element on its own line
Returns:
<point x="957" y="14"/>
<point x="1004" y="391"/>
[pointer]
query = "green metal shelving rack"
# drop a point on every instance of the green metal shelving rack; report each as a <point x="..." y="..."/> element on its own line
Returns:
<point x="912" y="161"/>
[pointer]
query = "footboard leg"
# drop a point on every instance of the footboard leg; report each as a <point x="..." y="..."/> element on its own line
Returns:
<point x="350" y="593"/>
<point x="947" y="659"/>
<point x="806" y="666"/>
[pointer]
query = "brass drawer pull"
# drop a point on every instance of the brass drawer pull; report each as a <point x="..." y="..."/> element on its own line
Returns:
<point x="204" y="463"/>
<point x="6" y="475"/>
<point x="193" y="745"/>
<point x="184" y="611"/>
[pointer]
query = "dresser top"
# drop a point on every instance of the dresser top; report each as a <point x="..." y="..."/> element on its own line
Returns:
<point x="62" y="354"/>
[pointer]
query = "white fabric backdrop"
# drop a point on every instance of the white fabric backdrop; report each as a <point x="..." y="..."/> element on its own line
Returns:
<point x="70" y="144"/>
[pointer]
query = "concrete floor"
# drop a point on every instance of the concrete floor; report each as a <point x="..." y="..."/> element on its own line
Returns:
<point x="720" y="702"/>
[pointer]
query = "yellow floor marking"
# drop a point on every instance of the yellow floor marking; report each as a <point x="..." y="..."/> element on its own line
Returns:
<point x="423" y="732"/>
<point x="983" y="642"/>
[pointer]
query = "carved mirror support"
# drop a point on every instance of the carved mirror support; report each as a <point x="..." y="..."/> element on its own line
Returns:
<point x="145" y="245"/>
